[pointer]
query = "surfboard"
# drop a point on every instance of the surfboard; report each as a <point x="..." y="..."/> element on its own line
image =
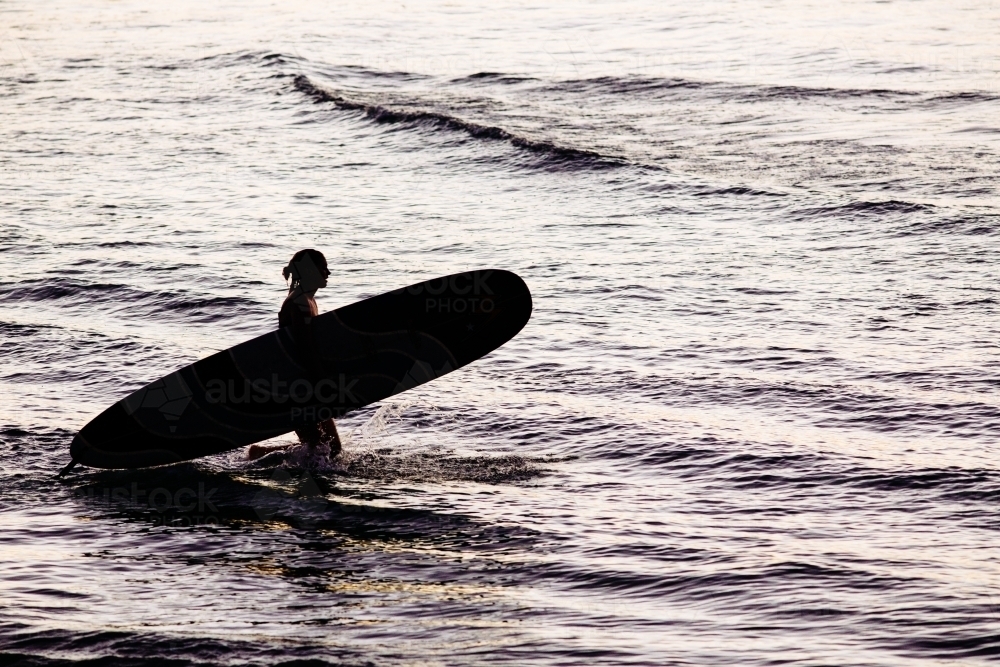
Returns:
<point x="340" y="361"/>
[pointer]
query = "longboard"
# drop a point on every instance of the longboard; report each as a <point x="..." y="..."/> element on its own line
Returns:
<point x="341" y="361"/>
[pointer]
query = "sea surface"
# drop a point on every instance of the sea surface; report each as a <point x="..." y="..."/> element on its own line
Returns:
<point x="754" y="419"/>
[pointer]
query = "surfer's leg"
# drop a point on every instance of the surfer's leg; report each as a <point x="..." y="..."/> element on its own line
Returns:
<point x="329" y="429"/>
<point x="320" y="433"/>
<point x="310" y="434"/>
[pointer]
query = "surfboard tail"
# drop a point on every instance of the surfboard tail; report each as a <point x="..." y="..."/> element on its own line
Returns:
<point x="93" y="455"/>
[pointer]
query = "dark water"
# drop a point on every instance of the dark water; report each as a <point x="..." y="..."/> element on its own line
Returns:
<point x="754" y="419"/>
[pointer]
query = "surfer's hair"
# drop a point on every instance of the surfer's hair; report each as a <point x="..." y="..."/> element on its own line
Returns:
<point x="291" y="271"/>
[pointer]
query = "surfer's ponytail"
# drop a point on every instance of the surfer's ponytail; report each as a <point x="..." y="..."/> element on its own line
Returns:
<point x="292" y="272"/>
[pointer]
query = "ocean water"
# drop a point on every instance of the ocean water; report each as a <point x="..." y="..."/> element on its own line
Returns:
<point x="753" y="420"/>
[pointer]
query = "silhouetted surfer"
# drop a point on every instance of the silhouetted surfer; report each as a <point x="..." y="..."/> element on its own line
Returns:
<point x="306" y="272"/>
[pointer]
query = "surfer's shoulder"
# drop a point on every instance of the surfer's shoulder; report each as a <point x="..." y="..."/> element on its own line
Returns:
<point x="297" y="309"/>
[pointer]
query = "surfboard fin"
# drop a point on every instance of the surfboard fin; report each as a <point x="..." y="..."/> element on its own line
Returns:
<point x="72" y="464"/>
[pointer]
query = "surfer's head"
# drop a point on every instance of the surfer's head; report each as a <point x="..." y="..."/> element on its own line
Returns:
<point x="306" y="270"/>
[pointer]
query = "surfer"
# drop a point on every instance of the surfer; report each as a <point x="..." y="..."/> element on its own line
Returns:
<point x="306" y="272"/>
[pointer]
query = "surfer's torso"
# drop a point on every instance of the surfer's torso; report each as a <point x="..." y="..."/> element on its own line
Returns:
<point x="297" y="310"/>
